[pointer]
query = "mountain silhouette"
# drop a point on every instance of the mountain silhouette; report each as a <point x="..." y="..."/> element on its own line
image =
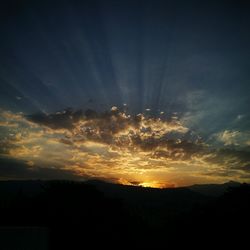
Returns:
<point x="66" y="215"/>
<point x="213" y="189"/>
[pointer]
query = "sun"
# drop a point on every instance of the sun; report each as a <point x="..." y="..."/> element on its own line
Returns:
<point x="154" y="184"/>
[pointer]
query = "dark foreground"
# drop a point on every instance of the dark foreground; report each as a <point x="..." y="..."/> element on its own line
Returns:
<point x="38" y="215"/>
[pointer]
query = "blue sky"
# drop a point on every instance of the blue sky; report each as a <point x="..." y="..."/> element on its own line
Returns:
<point x="183" y="60"/>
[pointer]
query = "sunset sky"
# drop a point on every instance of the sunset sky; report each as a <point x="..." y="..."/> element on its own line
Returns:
<point x="151" y="93"/>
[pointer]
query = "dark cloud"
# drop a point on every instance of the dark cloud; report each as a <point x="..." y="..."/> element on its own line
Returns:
<point x="17" y="169"/>
<point x="245" y="176"/>
<point x="64" y="119"/>
<point x="247" y="167"/>
<point x="171" y="149"/>
<point x="234" y="159"/>
<point x="90" y="114"/>
<point x="223" y="173"/>
<point x="66" y="141"/>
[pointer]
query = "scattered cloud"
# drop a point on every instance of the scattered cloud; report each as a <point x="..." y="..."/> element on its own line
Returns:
<point x="117" y="146"/>
<point x="233" y="138"/>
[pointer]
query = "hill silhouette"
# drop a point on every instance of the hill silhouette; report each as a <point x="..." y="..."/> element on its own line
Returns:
<point x="214" y="190"/>
<point x="85" y="215"/>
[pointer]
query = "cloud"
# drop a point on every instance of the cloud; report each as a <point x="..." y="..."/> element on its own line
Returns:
<point x="232" y="158"/>
<point x="114" y="109"/>
<point x="233" y="138"/>
<point x="209" y="113"/>
<point x="16" y="169"/>
<point x="59" y="120"/>
<point x="115" y="145"/>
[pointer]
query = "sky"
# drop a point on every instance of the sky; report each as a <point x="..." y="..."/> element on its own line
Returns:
<point x="150" y="93"/>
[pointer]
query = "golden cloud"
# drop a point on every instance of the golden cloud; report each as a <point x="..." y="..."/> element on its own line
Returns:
<point x="116" y="146"/>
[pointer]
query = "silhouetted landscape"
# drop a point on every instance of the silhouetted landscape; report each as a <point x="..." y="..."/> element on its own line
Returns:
<point x="84" y="215"/>
<point x="124" y="124"/>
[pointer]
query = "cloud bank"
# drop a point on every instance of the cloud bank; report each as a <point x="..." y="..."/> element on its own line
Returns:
<point x="119" y="147"/>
